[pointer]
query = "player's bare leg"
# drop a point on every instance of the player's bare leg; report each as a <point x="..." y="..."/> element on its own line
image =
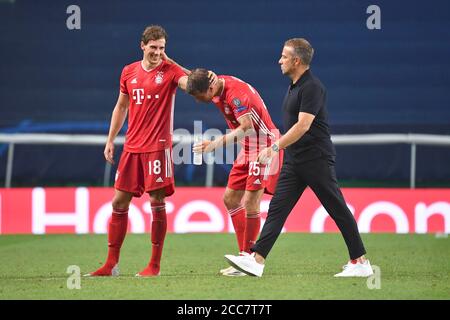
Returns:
<point x="117" y="230"/>
<point x="252" y="217"/>
<point x="158" y="233"/>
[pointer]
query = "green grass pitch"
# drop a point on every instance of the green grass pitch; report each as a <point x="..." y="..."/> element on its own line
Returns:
<point x="300" y="266"/>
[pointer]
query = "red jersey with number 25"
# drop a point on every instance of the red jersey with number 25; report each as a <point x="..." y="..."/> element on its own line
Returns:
<point x="239" y="99"/>
<point x="152" y="99"/>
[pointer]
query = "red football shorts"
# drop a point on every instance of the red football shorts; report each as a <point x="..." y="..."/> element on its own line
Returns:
<point x="248" y="174"/>
<point x="143" y="172"/>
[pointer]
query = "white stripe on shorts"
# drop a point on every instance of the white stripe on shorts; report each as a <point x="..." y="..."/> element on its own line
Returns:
<point x="168" y="163"/>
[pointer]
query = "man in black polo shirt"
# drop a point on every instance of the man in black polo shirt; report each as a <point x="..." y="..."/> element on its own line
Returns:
<point x="309" y="161"/>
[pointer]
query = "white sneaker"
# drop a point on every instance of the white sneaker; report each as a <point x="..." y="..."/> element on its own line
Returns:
<point x="232" y="272"/>
<point x="356" y="270"/>
<point x="246" y="264"/>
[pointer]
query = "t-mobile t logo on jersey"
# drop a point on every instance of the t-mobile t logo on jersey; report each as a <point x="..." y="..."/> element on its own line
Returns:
<point x="138" y="95"/>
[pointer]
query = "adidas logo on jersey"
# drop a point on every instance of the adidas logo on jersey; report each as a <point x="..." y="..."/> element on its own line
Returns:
<point x="134" y="80"/>
<point x="257" y="181"/>
<point x="159" y="180"/>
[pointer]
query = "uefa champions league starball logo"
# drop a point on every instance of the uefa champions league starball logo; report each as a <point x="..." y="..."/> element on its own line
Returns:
<point x="159" y="77"/>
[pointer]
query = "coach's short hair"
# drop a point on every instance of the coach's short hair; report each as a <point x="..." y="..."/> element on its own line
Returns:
<point x="153" y="32"/>
<point x="198" y="81"/>
<point x="302" y="48"/>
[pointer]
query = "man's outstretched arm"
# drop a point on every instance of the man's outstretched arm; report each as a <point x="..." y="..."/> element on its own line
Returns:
<point x="245" y="128"/>
<point x="182" y="82"/>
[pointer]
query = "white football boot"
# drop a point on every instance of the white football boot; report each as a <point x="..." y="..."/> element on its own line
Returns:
<point x="232" y="272"/>
<point x="226" y="270"/>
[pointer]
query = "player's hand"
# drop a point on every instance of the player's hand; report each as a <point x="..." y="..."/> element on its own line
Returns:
<point x="266" y="155"/>
<point x="212" y="78"/>
<point x="203" y="147"/>
<point x="164" y="56"/>
<point x="109" y="152"/>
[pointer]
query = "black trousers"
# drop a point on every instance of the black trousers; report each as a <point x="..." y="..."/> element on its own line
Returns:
<point x="320" y="176"/>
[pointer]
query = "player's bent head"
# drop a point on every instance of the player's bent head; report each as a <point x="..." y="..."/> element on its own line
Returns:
<point x="153" y="32"/>
<point x="302" y="49"/>
<point x="198" y="85"/>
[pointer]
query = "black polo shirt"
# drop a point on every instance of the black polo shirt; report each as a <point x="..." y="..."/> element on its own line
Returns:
<point x="308" y="95"/>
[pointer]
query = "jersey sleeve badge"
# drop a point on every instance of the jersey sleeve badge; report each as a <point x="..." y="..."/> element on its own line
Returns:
<point x="236" y="102"/>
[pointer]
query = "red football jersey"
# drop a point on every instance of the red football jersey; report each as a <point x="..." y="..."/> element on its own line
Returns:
<point x="150" y="112"/>
<point x="240" y="98"/>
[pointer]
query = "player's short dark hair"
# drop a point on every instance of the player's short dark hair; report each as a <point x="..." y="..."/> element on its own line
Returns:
<point x="198" y="81"/>
<point x="302" y="48"/>
<point x="153" y="32"/>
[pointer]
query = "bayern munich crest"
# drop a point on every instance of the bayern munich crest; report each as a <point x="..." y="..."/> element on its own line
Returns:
<point x="159" y="77"/>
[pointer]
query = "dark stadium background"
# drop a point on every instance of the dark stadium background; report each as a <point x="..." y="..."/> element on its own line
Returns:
<point x="393" y="80"/>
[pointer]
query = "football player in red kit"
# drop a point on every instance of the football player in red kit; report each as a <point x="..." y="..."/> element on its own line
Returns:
<point x="246" y="114"/>
<point x="147" y="95"/>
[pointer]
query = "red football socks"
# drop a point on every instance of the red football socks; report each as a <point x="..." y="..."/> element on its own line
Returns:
<point x="238" y="218"/>
<point x="116" y="234"/>
<point x="117" y="230"/>
<point x="159" y="228"/>
<point x="252" y="225"/>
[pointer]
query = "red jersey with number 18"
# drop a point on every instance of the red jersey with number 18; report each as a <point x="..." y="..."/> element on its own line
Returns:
<point x="152" y="99"/>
